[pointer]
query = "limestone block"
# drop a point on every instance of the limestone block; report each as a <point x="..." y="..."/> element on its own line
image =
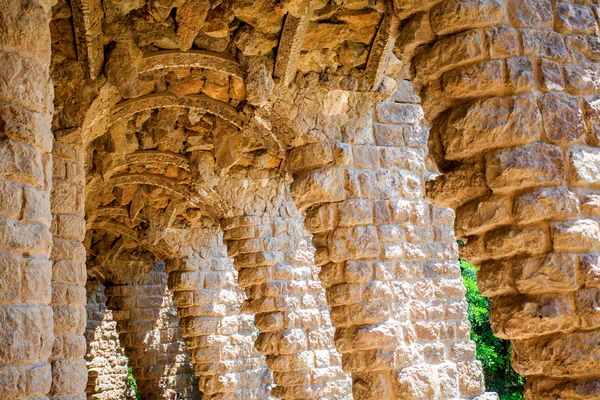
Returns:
<point x="509" y="242"/>
<point x="450" y="52"/>
<point x="491" y="123"/>
<point x="575" y="18"/>
<point x="470" y="378"/>
<point x="310" y="156"/>
<point x="23" y="125"/>
<point x="530" y="13"/>
<point x="11" y="200"/>
<point x="531" y="165"/>
<point x="590" y="268"/>
<point x="398" y="113"/>
<point x="318" y="187"/>
<point x="584" y="166"/>
<point x="582" y="235"/>
<point x="503" y="41"/>
<point x="27" y="334"/>
<point x="69" y="376"/>
<point x="31" y="238"/>
<point x="587" y="302"/>
<point x="544" y="44"/>
<point x="555" y="204"/>
<point x="552" y="76"/>
<point x="482" y="215"/>
<point x="477" y="79"/>
<point x="567" y="355"/>
<point x="21" y="162"/>
<point x="563" y="119"/>
<point x="553" y="273"/>
<point x="527" y="317"/>
<point x="457" y="187"/>
<point x="417" y="382"/>
<point x="18" y="381"/>
<point x="495" y="278"/>
<point x="453" y="16"/>
<point x="389" y="135"/>
<point x="582" y="78"/>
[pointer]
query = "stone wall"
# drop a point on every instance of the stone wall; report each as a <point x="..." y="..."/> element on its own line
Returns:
<point x="105" y="358"/>
<point x="148" y="330"/>
<point x="26" y="321"/>
<point x="510" y="89"/>
<point x="388" y="257"/>
<point x="223" y="137"/>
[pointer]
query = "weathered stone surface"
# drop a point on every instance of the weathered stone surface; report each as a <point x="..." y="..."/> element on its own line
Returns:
<point x="458" y="15"/>
<point x="530" y="165"/>
<point x="491" y="123"/>
<point x="458" y="187"/>
<point x="552" y="204"/>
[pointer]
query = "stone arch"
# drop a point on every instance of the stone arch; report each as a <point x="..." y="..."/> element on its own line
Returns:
<point x="387" y="256"/>
<point x="219" y="334"/>
<point x="512" y="121"/>
<point x="272" y="252"/>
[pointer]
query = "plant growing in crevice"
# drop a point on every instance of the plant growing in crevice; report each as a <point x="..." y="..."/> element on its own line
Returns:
<point x="132" y="389"/>
<point x="493" y="353"/>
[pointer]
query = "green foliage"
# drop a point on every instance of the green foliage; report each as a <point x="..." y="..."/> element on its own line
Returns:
<point x="493" y="353"/>
<point x="132" y="385"/>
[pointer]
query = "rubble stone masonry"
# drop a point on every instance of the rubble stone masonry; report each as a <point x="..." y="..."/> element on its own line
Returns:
<point x="254" y="199"/>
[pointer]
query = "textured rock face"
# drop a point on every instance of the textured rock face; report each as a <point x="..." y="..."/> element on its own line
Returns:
<point x="275" y="158"/>
<point x="519" y="106"/>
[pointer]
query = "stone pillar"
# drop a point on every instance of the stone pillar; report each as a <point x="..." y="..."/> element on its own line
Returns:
<point x="69" y="374"/>
<point x="388" y="257"/>
<point x="510" y="87"/>
<point x="105" y="357"/>
<point x="218" y="335"/>
<point x="274" y="258"/>
<point x="26" y="95"/>
<point x="149" y="330"/>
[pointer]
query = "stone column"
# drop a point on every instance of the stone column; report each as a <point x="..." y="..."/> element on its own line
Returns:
<point x="69" y="373"/>
<point x="218" y="335"/>
<point x="26" y="95"/>
<point x="274" y="258"/>
<point x="388" y="257"/>
<point x="510" y="87"/>
<point x="149" y="331"/>
<point x="105" y="357"/>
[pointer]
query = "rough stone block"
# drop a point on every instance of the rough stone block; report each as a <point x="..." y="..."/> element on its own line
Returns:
<point x="473" y="80"/>
<point x="322" y="186"/>
<point x="563" y="119"/>
<point x="553" y="273"/>
<point x="530" y="13"/>
<point x="544" y="44"/>
<point x="491" y="123"/>
<point x="450" y="52"/>
<point x="510" y="242"/>
<point x="531" y="165"/>
<point x="396" y="113"/>
<point x="482" y="215"/>
<point x="587" y="302"/>
<point x="21" y="162"/>
<point x="575" y="18"/>
<point x="590" y="269"/>
<point x="554" y="204"/>
<point x="582" y="78"/>
<point x="584" y="166"/>
<point x="457" y="187"/>
<point x="577" y="236"/>
<point x="519" y="317"/>
<point x="453" y="16"/>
